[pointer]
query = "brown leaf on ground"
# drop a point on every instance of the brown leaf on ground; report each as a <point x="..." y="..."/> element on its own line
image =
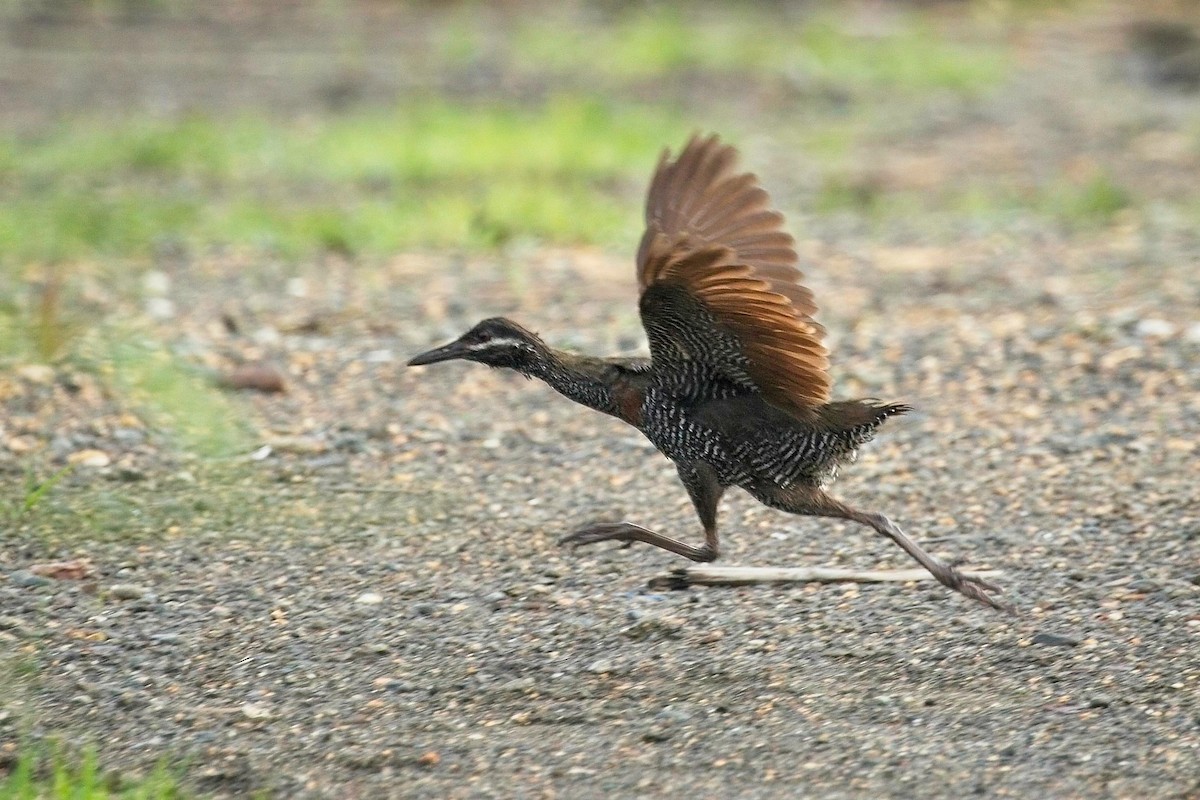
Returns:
<point x="74" y="570"/>
<point x="258" y="376"/>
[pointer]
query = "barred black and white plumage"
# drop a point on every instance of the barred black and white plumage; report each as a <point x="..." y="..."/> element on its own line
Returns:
<point x="736" y="390"/>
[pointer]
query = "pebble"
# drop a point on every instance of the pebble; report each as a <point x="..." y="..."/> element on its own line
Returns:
<point x="127" y="591"/>
<point x="26" y="579"/>
<point x="369" y="599"/>
<point x="424" y="609"/>
<point x="129" y="474"/>
<point x="255" y="711"/>
<point x="90" y="458"/>
<point x="657" y="733"/>
<point x="160" y="308"/>
<point x="129" y="436"/>
<point x="1055" y="640"/>
<point x="654" y="627"/>
<point x="672" y="716"/>
<point x="601" y="666"/>
<point x="516" y="685"/>
<point x="1154" y="329"/>
<point x="40" y="374"/>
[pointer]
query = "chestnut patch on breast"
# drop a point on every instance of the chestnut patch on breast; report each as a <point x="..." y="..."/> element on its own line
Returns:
<point x="629" y="403"/>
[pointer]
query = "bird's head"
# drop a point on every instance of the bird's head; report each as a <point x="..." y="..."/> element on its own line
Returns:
<point x="497" y="342"/>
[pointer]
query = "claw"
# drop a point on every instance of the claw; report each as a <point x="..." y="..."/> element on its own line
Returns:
<point x="977" y="589"/>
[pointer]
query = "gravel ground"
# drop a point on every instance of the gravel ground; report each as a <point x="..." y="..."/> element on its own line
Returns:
<point x="376" y="607"/>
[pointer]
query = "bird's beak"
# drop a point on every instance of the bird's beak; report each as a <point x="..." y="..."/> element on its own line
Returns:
<point x="455" y="349"/>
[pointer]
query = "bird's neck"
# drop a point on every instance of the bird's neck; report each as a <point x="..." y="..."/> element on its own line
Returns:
<point x="584" y="379"/>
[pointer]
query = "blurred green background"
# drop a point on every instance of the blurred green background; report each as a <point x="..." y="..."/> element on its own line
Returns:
<point x="142" y="136"/>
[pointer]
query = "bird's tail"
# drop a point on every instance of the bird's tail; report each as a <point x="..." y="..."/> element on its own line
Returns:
<point x="847" y="415"/>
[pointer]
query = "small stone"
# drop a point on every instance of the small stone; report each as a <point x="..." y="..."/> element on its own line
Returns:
<point x="658" y="733"/>
<point x="424" y="609"/>
<point x="1143" y="586"/>
<point x="221" y="611"/>
<point x="601" y="666"/>
<point x="26" y="579"/>
<point x="369" y="599"/>
<point x="17" y="626"/>
<point x="156" y="282"/>
<point x="1154" y="329"/>
<point x="255" y="711"/>
<point x="165" y="638"/>
<point x="430" y="759"/>
<point x="1100" y="701"/>
<point x="1192" y="334"/>
<point x="1055" y="640"/>
<point x="401" y="687"/>
<point x="147" y="602"/>
<point x="40" y="374"/>
<point x="127" y="591"/>
<point x="129" y="436"/>
<point x="159" y="308"/>
<point x="516" y="685"/>
<point x="672" y="716"/>
<point x="654" y="627"/>
<point x="297" y="287"/>
<point x="267" y="335"/>
<point x="89" y="458"/>
<point x="129" y="474"/>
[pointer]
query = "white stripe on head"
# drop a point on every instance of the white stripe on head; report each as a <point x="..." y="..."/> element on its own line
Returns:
<point x="491" y="343"/>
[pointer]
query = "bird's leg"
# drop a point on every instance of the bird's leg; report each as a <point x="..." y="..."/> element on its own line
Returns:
<point x="705" y="491"/>
<point x="803" y="500"/>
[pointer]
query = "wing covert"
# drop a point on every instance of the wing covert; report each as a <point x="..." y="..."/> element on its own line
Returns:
<point x="719" y="283"/>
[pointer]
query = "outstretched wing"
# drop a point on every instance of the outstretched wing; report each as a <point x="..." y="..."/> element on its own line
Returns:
<point x="720" y="290"/>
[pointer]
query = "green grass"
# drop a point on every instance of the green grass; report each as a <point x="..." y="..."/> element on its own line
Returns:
<point x="434" y="173"/>
<point x="39" y="777"/>
<point x="426" y="173"/>
<point x="658" y="40"/>
<point x="171" y="396"/>
<point x="34" y="491"/>
<point x="1072" y="203"/>
<point x="1092" y="202"/>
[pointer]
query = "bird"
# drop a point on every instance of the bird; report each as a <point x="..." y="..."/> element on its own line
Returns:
<point x="736" y="390"/>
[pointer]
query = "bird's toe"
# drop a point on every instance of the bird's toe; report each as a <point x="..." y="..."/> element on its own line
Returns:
<point x="598" y="532"/>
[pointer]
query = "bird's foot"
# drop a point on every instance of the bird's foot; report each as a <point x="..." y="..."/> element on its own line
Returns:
<point x="624" y="532"/>
<point x="972" y="587"/>
<point x="627" y="533"/>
